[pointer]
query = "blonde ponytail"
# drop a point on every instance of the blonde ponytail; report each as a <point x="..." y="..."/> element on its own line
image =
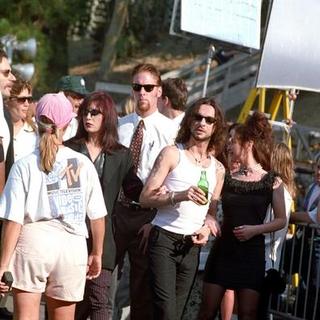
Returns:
<point x="50" y="139"/>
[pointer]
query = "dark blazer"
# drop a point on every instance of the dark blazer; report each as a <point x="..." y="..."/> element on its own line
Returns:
<point x="117" y="172"/>
<point x="10" y="153"/>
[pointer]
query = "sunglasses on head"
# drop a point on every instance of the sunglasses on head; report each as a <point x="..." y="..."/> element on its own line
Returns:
<point x="146" y="87"/>
<point x="93" y="112"/>
<point x="23" y="99"/>
<point x="199" y="117"/>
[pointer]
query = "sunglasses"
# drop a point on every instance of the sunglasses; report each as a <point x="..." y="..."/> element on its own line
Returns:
<point x="147" y="87"/>
<point x="93" y="112"/>
<point x="209" y="120"/>
<point x="23" y="99"/>
<point x="6" y="73"/>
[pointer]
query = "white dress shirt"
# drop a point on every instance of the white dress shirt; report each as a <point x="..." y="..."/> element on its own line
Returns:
<point x="177" y="120"/>
<point x="158" y="132"/>
<point x="25" y="142"/>
<point x="71" y="129"/>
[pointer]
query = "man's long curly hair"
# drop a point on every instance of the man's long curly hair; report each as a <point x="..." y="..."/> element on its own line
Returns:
<point x="217" y="141"/>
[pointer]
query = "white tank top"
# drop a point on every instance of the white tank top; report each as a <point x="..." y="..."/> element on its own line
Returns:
<point x="185" y="217"/>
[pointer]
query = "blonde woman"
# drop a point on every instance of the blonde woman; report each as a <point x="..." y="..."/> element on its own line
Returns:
<point x="282" y="164"/>
<point x="44" y="206"/>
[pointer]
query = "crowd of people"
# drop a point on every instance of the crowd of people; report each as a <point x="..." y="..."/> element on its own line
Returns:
<point x="81" y="187"/>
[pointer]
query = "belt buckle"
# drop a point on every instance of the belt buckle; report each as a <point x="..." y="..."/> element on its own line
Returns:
<point x="134" y="206"/>
<point x="186" y="238"/>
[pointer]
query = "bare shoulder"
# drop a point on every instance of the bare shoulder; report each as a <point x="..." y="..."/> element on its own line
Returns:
<point x="169" y="152"/>
<point x="220" y="169"/>
<point x="277" y="183"/>
<point x="167" y="159"/>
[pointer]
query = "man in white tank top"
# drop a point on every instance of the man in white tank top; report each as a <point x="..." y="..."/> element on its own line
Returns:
<point x="179" y="225"/>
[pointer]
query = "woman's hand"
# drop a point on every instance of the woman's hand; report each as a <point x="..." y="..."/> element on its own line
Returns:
<point x="4" y="288"/>
<point x="201" y="236"/>
<point x="245" y="232"/>
<point x="213" y="225"/>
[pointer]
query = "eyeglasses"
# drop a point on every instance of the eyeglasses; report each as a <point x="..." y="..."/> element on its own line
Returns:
<point x="22" y="99"/>
<point x="147" y="87"/>
<point x="93" y="112"/>
<point x="6" y="73"/>
<point x="209" y="120"/>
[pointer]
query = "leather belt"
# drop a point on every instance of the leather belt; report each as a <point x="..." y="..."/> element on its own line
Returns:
<point x="134" y="206"/>
<point x="177" y="236"/>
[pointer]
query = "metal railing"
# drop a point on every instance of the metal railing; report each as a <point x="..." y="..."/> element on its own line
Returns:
<point x="300" y="264"/>
<point x="230" y="82"/>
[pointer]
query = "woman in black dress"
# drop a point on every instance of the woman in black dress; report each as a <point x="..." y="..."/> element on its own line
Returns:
<point x="237" y="259"/>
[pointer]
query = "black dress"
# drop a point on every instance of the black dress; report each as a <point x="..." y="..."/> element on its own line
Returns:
<point x="236" y="264"/>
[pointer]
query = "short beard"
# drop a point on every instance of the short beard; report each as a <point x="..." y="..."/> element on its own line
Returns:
<point x="204" y="139"/>
<point x="143" y="107"/>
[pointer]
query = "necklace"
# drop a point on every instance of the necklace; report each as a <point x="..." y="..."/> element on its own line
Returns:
<point x="198" y="161"/>
<point x="246" y="170"/>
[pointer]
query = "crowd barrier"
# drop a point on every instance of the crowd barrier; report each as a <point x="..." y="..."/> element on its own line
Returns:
<point x="300" y="265"/>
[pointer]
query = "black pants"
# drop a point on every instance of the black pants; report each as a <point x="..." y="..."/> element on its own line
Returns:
<point x="128" y="222"/>
<point x="174" y="263"/>
<point x="99" y="296"/>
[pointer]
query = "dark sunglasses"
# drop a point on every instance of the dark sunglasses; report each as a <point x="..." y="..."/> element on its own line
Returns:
<point x="199" y="117"/>
<point x="146" y="87"/>
<point x="6" y="73"/>
<point x="23" y="99"/>
<point x="93" y="112"/>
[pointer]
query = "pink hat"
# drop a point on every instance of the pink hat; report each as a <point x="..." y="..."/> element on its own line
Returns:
<point x="56" y="107"/>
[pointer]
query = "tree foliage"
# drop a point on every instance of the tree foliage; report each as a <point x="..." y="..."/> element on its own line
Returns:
<point x="48" y="21"/>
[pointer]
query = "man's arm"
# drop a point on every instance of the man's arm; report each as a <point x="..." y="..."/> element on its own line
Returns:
<point x="300" y="216"/>
<point x="151" y="195"/>
<point x="211" y="221"/>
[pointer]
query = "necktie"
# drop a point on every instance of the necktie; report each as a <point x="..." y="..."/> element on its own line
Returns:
<point x="135" y="148"/>
<point x="136" y="143"/>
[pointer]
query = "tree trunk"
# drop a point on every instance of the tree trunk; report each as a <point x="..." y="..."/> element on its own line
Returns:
<point x="119" y="15"/>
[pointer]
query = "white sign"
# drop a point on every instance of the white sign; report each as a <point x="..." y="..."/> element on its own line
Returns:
<point x="235" y="21"/>
<point x="290" y="57"/>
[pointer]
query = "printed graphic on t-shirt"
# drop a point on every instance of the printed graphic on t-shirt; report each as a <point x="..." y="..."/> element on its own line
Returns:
<point x="64" y="191"/>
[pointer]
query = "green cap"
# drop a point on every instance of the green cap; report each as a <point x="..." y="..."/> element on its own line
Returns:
<point x="72" y="83"/>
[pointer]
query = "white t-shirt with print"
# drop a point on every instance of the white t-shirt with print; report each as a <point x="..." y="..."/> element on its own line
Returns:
<point x="67" y="194"/>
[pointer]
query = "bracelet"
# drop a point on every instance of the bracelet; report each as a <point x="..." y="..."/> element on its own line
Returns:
<point x="171" y="198"/>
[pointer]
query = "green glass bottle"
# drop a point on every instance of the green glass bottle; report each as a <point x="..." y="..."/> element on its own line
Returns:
<point x="203" y="183"/>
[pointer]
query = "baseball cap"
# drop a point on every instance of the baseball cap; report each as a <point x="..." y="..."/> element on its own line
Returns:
<point x="72" y="83"/>
<point x="56" y="107"/>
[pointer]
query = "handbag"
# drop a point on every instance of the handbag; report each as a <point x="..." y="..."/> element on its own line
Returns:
<point x="274" y="282"/>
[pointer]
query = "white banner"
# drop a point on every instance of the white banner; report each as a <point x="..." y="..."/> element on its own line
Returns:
<point x="291" y="52"/>
<point x="235" y="21"/>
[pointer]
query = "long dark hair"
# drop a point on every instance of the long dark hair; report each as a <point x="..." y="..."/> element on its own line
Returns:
<point x="217" y="140"/>
<point x="108" y="135"/>
<point x="258" y="129"/>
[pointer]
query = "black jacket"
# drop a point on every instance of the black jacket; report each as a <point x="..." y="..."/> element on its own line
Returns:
<point x="117" y="172"/>
<point x="10" y="153"/>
